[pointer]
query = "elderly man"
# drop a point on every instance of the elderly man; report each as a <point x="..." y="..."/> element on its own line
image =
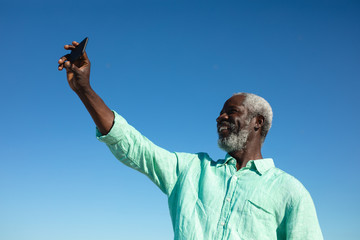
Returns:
<point x="240" y="197"/>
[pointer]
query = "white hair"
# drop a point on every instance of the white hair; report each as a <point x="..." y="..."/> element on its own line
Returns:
<point x="235" y="141"/>
<point x="256" y="106"/>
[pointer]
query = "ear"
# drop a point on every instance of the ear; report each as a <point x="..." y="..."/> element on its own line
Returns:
<point x="259" y="122"/>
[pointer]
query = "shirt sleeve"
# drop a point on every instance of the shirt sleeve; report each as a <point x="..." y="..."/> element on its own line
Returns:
<point x="302" y="222"/>
<point x="138" y="152"/>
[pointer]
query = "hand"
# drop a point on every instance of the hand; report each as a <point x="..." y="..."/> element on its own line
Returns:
<point x="78" y="72"/>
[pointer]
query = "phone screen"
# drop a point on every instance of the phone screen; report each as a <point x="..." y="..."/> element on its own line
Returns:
<point x="78" y="51"/>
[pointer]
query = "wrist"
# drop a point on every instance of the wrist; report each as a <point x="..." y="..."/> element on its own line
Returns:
<point x="84" y="90"/>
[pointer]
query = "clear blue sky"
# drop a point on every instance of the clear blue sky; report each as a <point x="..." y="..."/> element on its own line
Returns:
<point x="168" y="67"/>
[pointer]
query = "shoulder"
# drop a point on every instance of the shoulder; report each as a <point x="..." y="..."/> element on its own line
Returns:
<point x="287" y="186"/>
<point x="201" y="156"/>
<point x="195" y="158"/>
<point x="287" y="181"/>
<point x="199" y="161"/>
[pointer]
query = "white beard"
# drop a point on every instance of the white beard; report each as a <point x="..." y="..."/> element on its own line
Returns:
<point x="235" y="141"/>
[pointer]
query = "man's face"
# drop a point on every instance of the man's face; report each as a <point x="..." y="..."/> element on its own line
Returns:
<point x="233" y="125"/>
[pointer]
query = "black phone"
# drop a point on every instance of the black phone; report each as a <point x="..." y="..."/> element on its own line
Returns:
<point x="78" y="51"/>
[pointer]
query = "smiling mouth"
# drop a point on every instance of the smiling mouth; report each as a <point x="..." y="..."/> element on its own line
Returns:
<point x="222" y="128"/>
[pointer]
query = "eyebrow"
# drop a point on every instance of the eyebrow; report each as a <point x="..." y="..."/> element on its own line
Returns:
<point x="237" y="107"/>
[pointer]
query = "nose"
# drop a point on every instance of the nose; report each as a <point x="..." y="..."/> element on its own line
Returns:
<point x="222" y="117"/>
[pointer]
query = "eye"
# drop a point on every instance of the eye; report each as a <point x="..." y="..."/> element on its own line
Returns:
<point x="233" y="111"/>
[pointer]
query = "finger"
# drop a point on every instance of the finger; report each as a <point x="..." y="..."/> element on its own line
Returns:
<point x="74" y="68"/>
<point x="61" y="67"/>
<point x="71" y="67"/>
<point x="67" y="64"/>
<point x="63" y="59"/>
<point x="69" y="47"/>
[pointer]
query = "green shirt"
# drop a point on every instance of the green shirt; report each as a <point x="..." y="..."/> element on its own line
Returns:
<point x="212" y="200"/>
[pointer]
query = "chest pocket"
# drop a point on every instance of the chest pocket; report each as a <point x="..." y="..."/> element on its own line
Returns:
<point x="259" y="206"/>
<point x="258" y="216"/>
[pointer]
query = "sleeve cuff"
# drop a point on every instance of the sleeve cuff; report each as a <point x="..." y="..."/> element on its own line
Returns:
<point x="115" y="133"/>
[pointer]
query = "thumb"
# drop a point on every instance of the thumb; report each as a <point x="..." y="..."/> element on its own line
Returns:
<point x="71" y="67"/>
<point x="74" y="68"/>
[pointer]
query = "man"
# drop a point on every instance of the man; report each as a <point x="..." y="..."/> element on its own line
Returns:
<point x="240" y="197"/>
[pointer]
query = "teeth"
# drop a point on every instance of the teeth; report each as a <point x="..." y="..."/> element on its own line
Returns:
<point x="222" y="128"/>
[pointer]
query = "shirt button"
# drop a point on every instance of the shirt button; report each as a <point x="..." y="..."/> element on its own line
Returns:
<point x="222" y="224"/>
<point x="228" y="199"/>
<point x="235" y="178"/>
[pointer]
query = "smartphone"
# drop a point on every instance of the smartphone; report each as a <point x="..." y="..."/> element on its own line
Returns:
<point x="78" y="51"/>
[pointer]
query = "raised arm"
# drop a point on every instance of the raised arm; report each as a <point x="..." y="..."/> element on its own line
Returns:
<point x="78" y="76"/>
<point x="126" y="143"/>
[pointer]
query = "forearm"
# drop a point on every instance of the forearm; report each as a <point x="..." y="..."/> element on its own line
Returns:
<point x="100" y="113"/>
<point x="78" y="76"/>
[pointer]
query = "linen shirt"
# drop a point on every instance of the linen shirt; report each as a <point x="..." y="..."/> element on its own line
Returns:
<point x="212" y="200"/>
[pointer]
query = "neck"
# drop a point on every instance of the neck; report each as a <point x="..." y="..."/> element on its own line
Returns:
<point x="252" y="151"/>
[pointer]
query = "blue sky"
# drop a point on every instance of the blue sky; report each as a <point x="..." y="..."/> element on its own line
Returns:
<point x="168" y="67"/>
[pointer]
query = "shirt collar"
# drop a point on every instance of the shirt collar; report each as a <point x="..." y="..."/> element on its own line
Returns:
<point x="228" y="159"/>
<point x="261" y="165"/>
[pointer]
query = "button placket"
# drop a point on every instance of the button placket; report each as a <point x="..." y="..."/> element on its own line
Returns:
<point x="226" y="211"/>
<point x="226" y="208"/>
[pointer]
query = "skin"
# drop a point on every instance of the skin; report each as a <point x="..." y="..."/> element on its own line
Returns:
<point x="78" y="76"/>
<point x="235" y="112"/>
